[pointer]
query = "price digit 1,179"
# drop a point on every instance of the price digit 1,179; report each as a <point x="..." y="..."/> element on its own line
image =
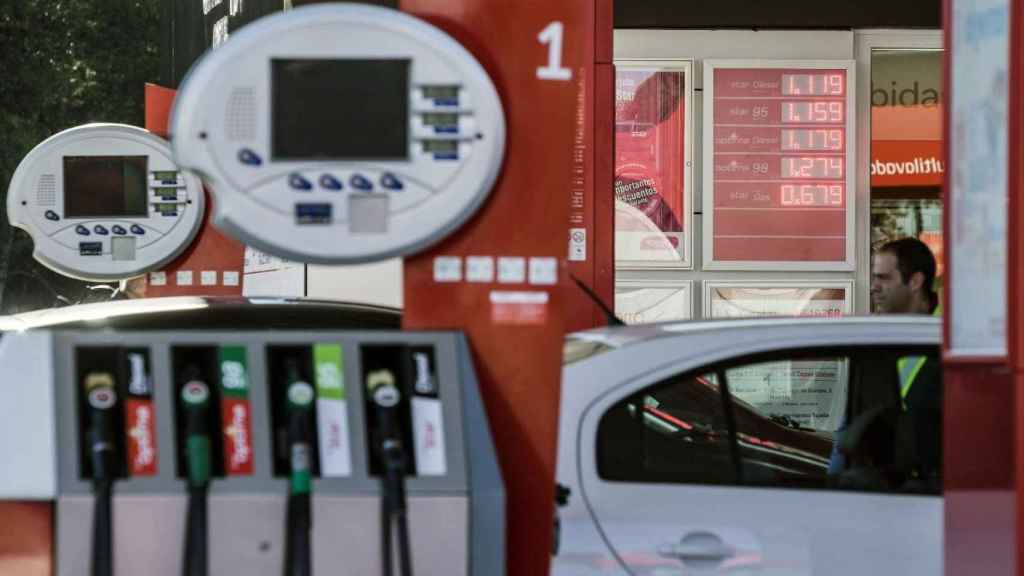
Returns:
<point x="552" y="37"/>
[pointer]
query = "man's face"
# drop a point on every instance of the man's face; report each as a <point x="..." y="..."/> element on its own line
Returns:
<point x="889" y="293"/>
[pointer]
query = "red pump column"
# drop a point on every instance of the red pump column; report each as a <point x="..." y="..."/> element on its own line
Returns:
<point x="984" y="368"/>
<point x="504" y="277"/>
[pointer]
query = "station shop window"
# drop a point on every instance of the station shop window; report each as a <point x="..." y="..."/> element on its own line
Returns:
<point x="826" y="419"/>
<point x="907" y="152"/>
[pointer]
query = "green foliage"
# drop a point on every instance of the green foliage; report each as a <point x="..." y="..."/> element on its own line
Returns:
<point x="64" y="63"/>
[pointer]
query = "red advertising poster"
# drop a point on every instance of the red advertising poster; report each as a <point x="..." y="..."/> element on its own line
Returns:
<point x="778" y="166"/>
<point x="652" y="208"/>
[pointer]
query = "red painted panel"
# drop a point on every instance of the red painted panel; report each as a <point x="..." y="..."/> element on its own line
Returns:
<point x="518" y="365"/>
<point x="812" y="225"/>
<point x="979" y="447"/>
<point x="604" y="175"/>
<point x="210" y="251"/>
<point x="780" y="249"/>
<point x="26" y="538"/>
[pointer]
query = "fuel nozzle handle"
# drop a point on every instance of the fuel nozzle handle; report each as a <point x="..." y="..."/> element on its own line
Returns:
<point x="299" y="411"/>
<point x="383" y="390"/>
<point x="101" y="398"/>
<point x="195" y="405"/>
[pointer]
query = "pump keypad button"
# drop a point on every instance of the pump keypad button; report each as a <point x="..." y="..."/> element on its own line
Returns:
<point x="136" y="229"/>
<point x="51" y="215"/>
<point x="249" y="158"/>
<point x="82" y="230"/>
<point x="100" y="230"/>
<point x="360" y="183"/>
<point x="391" y="182"/>
<point x="329" y="182"/>
<point x="119" y="230"/>
<point x="297" y="182"/>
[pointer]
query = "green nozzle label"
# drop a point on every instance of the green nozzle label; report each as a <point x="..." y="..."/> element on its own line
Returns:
<point x="234" y="378"/>
<point x="330" y="371"/>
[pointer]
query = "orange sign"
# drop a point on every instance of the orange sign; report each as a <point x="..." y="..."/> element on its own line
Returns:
<point x="906" y="146"/>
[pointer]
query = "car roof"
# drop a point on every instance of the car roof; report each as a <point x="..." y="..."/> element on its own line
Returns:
<point x="588" y="343"/>
<point x="208" y="313"/>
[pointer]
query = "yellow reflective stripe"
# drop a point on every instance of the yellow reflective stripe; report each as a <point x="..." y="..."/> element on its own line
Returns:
<point x="909" y="367"/>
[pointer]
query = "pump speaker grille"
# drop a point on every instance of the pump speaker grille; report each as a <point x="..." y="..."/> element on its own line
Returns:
<point x="46" y="190"/>
<point x="241" y="115"/>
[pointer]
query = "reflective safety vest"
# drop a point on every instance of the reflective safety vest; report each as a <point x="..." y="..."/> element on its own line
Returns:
<point x="910" y="366"/>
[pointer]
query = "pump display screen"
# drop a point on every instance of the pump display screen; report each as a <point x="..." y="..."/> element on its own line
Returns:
<point x="105" y="186"/>
<point x="339" y="109"/>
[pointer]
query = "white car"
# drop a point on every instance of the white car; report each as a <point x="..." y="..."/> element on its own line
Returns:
<point x="708" y="448"/>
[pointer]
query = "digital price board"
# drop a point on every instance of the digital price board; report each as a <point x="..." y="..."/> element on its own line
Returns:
<point x="778" y="165"/>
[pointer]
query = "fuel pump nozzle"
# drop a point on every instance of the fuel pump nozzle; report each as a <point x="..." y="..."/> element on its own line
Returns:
<point x="298" y="559"/>
<point x="101" y="397"/>
<point x="384" y="391"/>
<point x="195" y="402"/>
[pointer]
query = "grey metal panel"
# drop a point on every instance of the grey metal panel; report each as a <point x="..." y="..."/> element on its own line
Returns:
<point x="347" y="535"/>
<point x="487" y="490"/>
<point x="262" y="481"/>
<point x="142" y="545"/>
<point x="456" y="521"/>
<point x="246" y="534"/>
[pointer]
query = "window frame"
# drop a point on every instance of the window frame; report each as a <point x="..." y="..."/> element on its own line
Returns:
<point x="855" y="353"/>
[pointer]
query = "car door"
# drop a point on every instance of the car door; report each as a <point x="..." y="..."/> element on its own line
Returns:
<point x="730" y="467"/>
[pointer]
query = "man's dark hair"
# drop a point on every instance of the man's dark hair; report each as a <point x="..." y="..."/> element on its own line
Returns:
<point x="912" y="256"/>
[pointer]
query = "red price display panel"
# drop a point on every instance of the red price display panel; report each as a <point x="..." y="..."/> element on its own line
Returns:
<point x="778" y="165"/>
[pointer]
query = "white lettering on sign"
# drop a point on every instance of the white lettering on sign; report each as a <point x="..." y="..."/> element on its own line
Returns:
<point x="552" y="37"/>
<point x="143" y="435"/>
<point x="238" y="431"/>
<point x="209" y="5"/>
<point x="220" y="31"/>
<point x="328" y="375"/>
<point x="233" y="375"/>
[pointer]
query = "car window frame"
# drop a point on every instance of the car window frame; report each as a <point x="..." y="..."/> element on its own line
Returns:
<point x="855" y="352"/>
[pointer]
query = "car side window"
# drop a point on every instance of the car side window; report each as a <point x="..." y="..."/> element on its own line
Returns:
<point x="835" y="419"/>
<point x="786" y="412"/>
<point x="675" y="431"/>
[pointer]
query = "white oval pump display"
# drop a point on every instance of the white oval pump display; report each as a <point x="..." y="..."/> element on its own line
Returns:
<point x="340" y="133"/>
<point x="105" y="202"/>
